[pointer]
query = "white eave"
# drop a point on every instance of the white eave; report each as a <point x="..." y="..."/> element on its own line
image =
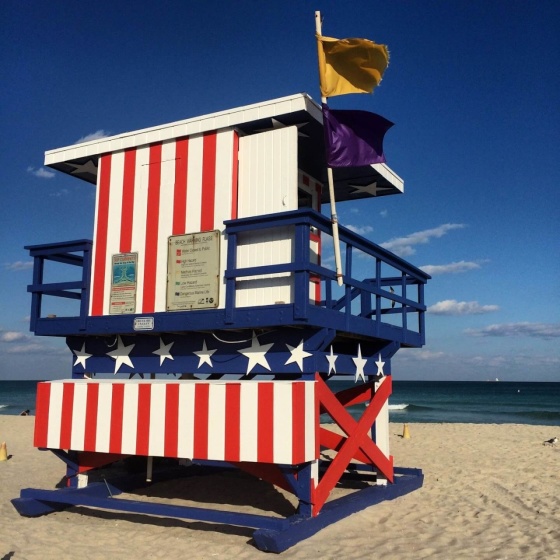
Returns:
<point x="81" y="160"/>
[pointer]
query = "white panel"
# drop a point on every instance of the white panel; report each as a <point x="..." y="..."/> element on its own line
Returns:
<point x="165" y="222"/>
<point x="139" y="218"/>
<point x="79" y="417"/>
<point x="222" y="210"/>
<point x="185" y="434"/>
<point x="194" y="184"/>
<point x="267" y="185"/>
<point x="114" y="221"/>
<point x="311" y="422"/>
<point x="216" y="421"/>
<point x="248" y="421"/>
<point x="156" y="439"/>
<point x="381" y="425"/>
<point x="104" y="418"/>
<point x="224" y="175"/>
<point x="282" y="422"/>
<point x="55" y="415"/>
<point x="130" y="418"/>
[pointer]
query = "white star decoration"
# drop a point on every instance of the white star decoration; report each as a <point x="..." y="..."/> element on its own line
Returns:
<point x="82" y="168"/>
<point x="256" y="354"/>
<point x="372" y="189"/>
<point x="120" y="354"/>
<point x="380" y="365"/>
<point x="360" y="363"/>
<point x="164" y="351"/>
<point x="81" y="356"/>
<point x="205" y="355"/>
<point x="332" y="361"/>
<point x="298" y="354"/>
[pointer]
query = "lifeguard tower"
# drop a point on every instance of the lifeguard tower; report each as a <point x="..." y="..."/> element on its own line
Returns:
<point x="207" y="322"/>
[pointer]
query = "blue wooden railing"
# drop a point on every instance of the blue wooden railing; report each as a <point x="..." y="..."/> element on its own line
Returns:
<point x="371" y="302"/>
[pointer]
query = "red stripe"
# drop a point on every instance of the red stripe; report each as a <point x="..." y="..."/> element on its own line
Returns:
<point x="127" y="210"/>
<point x="101" y="235"/>
<point x="233" y="414"/>
<point x="143" y="423"/>
<point x="298" y="422"/>
<point x="234" y="179"/>
<point x="171" y="420"/>
<point x="208" y="181"/>
<point x="201" y="398"/>
<point x="92" y="403"/>
<point x="66" y="415"/>
<point x="42" y="403"/>
<point x="265" y="427"/>
<point x="117" y="406"/>
<point x="180" y="193"/>
<point x="152" y="225"/>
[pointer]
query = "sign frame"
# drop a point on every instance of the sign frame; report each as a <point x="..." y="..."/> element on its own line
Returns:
<point x="193" y="271"/>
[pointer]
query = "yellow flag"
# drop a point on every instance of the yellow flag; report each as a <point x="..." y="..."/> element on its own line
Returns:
<point x="350" y="65"/>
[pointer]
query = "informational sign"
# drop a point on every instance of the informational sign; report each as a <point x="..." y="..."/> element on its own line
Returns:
<point x="193" y="271"/>
<point x="143" y="324"/>
<point x="123" y="284"/>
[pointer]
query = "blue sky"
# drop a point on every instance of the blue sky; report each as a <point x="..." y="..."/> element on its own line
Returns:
<point x="474" y="90"/>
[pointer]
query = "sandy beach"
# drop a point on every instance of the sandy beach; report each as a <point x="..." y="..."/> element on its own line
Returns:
<point x="490" y="492"/>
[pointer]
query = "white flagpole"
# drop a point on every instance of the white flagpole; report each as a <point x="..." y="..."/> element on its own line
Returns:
<point x="334" y="217"/>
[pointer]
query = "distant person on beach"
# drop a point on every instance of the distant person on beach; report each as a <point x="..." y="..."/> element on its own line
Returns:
<point x="24" y="413"/>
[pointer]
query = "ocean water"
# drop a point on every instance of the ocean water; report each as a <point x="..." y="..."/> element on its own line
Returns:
<point x="411" y="401"/>
<point x="473" y="402"/>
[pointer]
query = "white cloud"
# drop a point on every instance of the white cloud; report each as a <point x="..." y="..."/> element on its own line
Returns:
<point x="384" y="213"/>
<point x="97" y="135"/>
<point x="454" y="307"/>
<point x="30" y="348"/>
<point x="12" y="336"/>
<point x="19" y="265"/>
<point x="428" y="355"/>
<point x="404" y="246"/>
<point x="42" y="173"/>
<point x="451" y="268"/>
<point x="61" y="192"/>
<point x="360" y="230"/>
<point x="533" y="330"/>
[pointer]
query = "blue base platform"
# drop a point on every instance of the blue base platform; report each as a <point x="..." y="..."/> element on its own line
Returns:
<point x="271" y="535"/>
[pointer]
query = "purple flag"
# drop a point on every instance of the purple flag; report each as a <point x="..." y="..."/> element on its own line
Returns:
<point x="354" y="138"/>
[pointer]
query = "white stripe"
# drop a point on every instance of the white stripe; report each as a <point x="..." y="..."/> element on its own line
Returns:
<point x="139" y="219"/>
<point x="165" y="220"/>
<point x="224" y="174"/>
<point x="194" y="184"/>
<point x="282" y="422"/>
<point x="310" y="420"/>
<point x="156" y="442"/>
<point x="185" y="420"/>
<point x="55" y="415"/>
<point x="223" y="198"/>
<point x="248" y="421"/>
<point x="217" y="422"/>
<point x="104" y="417"/>
<point x="130" y="418"/>
<point x="113" y="221"/>
<point x="77" y="439"/>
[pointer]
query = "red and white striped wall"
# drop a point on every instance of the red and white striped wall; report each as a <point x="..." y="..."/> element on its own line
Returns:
<point x="257" y="421"/>
<point x="146" y="194"/>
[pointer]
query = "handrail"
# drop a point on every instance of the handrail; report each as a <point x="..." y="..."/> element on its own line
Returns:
<point x="65" y="253"/>
<point x="354" y="288"/>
